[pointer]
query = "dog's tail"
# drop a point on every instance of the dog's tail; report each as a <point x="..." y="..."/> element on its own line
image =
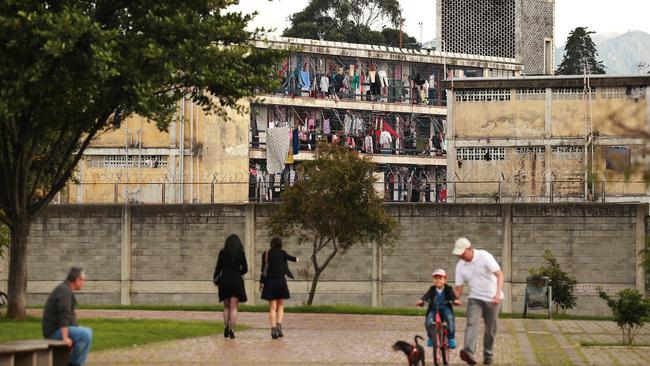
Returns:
<point x="416" y="340"/>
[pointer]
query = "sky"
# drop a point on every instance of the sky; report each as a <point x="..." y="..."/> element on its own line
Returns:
<point x="599" y="15"/>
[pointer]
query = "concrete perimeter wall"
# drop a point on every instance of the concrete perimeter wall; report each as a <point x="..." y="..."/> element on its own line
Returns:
<point x="165" y="254"/>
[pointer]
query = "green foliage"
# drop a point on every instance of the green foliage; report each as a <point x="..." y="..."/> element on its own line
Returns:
<point x="117" y="333"/>
<point x="580" y="48"/>
<point x="562" y="283"/>
<point x="631" y="312"/>
<point x="333" y="205"/>
<point x="355" y="21"/>
<point x="70" y="69"/>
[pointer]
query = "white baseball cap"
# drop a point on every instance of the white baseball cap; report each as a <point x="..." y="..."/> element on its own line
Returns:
<point x="460" y="246"/>
<point x="439" y="272"/>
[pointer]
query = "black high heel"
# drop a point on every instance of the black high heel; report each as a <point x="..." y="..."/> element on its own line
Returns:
<point x="232" y="334"/>
<point x="280" y="330"/>
<point x="274" y="333"/>
<point x="226" y="332"/>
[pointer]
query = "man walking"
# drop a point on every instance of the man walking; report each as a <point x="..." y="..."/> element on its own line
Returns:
<point x="482" y="273"/>
<point x="60" y="320"/>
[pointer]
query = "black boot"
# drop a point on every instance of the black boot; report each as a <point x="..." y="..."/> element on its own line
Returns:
<point x="232" y="334"/>
<point x="226" y="332"/>
<point x="274" y="333"/>
<point x="280" y="330"/>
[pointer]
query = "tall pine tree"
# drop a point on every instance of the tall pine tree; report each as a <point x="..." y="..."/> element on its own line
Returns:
<point x="580" y="49"/>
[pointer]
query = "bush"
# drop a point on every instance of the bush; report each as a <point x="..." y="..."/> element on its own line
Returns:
<point x="562" y="283"/>
<point x="630" y="311"/>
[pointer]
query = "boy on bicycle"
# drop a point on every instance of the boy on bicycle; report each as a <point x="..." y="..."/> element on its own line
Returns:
<point x="443" y="295"/>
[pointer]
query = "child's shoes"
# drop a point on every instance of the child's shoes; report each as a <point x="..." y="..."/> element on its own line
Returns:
<point x="452" y="343"/>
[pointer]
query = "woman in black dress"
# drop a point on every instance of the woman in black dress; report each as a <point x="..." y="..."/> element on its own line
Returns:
<point x="274" y="284"/>
<point x="231" y="266"/>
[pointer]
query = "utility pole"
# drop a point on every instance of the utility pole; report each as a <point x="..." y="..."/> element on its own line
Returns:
<point x="420" y="24"/>
<point x="401" y="33"/>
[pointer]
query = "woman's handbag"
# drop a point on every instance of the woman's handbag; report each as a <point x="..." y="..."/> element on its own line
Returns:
<point x="216" y="279"/>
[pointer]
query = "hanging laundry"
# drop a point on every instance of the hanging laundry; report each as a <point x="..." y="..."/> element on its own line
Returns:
<point x="351" y="70"/>
<point x="324" y="84"/>
<point x="311" y="123"/>
<point x="296" y="141"/>
<point x="305" y="80"/>
<point x="347" y="123"/>
<point x="386" y="127"/>
<point x="290" y="157"/>
<point x="385" y="138"/>
<point x="383" y="78"/>
<point x="277" y="149"/>
<point x="367" y="145"/>
<point x="372" y="75"/>
<point x="326" y="126"/>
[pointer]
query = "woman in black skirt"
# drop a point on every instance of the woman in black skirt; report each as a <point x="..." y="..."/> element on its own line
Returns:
<point x="231" y="266"/>
<point x="274" y="284"/>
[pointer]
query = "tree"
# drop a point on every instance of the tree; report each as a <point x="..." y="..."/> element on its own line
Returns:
<point x="630" y="311"/>
<point x="562" y="284"/>
<point x="355" y="21"/>
<point x="70" y="69"/>
<point x="334" y="206"/>
<point x="578" y="50"/>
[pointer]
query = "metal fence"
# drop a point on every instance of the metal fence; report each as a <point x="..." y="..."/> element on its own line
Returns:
<point x="430" y="191"/>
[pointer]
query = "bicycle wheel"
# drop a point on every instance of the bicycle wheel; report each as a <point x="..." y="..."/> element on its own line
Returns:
<point x="444" y="348"/>
<point x="3" y="300"/>
<point x="437" y="342"/>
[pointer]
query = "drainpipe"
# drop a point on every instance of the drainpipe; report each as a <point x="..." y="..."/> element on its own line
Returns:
<point x="191" y="152"/>
<point x="182" y="153"/>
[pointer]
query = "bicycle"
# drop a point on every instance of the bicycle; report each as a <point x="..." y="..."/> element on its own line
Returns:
<point x="439" y="332"/>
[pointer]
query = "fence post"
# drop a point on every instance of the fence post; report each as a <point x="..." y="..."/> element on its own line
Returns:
<point x="115" y="192"/>
<point x="162" y="198"/>
<point x="551" y="192"/>
<point x="212" y="192"/>
<point x="603" y="191"/>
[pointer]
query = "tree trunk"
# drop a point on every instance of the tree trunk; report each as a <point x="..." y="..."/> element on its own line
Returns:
<point x="312" y="290"/>
<point x="18" y="271"/>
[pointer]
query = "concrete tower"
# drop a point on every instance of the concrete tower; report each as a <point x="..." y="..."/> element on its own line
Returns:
<point x="521" y="29"/>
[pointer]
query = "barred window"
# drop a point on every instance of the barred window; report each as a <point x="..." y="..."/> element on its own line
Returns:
<point x="571" y="93"/>
<point x="539" y="151"/>
<point x="483" y="95"/>
<point x="613" y="93"/>
<point x="568" y="152"/>
<point x="134" y="161"/>
<point x="479" y="153"/>
<point x="531" y="94"/>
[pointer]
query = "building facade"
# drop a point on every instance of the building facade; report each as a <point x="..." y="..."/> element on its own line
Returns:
<point x="520" y="29"/>
<point x="548" y="138"/>
<point x="386" y="103"/>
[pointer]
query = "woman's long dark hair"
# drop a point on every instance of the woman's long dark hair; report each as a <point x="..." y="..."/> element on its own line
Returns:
<point x="233" y="248"/>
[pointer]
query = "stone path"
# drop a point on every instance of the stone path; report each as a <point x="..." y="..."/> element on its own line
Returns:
<point x="330" y="339"/>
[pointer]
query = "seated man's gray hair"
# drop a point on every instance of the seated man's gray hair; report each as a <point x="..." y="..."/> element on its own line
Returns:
<point x="74" y="273"/>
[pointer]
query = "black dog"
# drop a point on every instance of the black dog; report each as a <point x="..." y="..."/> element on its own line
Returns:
<point x="414" y="352"/>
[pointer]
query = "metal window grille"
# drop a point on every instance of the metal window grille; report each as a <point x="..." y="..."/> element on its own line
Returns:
<point x="568" y="152"/>
<point x="133" y="161"/>
<point x="571" y="93"/>
<point x="538" y="151"/>
<point x="478" y="153"/>
<point x="483" y="95"/>
<point x="531" y="94"/>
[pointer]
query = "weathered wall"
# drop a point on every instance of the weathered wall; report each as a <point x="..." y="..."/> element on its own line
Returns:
<point x="166" y="254"/>
<point x="214" y="148"/>
<point x="556" y="121"/>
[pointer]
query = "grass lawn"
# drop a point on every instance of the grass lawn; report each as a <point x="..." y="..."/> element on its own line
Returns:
<point x="116" y="333"/>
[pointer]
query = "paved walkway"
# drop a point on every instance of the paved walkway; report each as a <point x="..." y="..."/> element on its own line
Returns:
<point x="327" y="339"/>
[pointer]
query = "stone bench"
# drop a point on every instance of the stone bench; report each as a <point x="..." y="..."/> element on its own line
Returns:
<point x="42" y="352"/>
